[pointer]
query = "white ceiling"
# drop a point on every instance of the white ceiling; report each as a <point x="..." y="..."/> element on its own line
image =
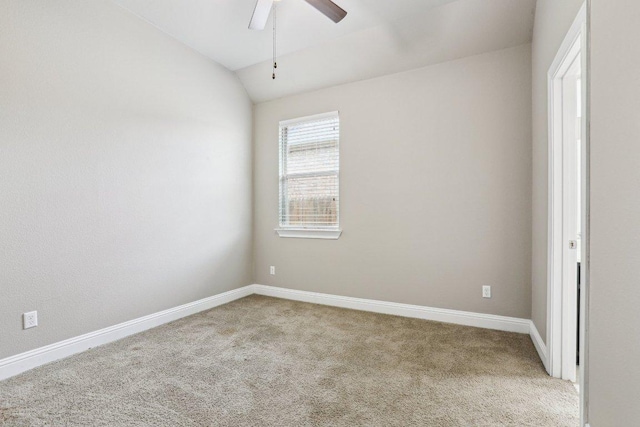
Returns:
<point x="377" y="37"/>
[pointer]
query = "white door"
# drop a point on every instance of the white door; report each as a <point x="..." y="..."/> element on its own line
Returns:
<point x="568" y="242"/>
<point x="566" y="210"/>
<point x="571" y="138"/>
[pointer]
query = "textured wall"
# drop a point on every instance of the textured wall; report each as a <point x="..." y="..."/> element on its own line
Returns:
<point x="125" y="171"/>
<point x="435" y="188"/>
<point x="614" y="345"/>
<point x="553" y="20"/>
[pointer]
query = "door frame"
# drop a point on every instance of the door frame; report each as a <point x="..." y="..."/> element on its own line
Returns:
<point x="563" y="224"/>
<point x="576" y="42"/>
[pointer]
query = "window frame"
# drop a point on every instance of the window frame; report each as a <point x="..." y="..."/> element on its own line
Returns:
<point x="319" y="232"/>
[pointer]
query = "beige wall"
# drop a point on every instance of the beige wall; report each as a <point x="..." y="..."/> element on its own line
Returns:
<point x="553" y="20"/>
<point x="614" y="346"/>
<point x="435" y="188"/>
<point x="125" y="171"/>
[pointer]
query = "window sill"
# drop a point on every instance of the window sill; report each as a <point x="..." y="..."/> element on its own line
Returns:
<point x="301" y="233"/>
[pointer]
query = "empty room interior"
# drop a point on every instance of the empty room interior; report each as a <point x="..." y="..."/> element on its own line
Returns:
<point x="320" y="213"/>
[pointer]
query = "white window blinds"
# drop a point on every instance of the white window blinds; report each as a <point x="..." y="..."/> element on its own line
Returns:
<point x="309" y="172"/>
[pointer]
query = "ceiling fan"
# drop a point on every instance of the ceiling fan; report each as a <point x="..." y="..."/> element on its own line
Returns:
<point x="263" y="8"/>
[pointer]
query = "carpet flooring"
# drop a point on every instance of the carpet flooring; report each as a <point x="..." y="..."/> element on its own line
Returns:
<point x="262" y="361"/>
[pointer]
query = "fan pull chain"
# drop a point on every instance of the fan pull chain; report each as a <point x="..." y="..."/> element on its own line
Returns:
<point x="275" y="63"/>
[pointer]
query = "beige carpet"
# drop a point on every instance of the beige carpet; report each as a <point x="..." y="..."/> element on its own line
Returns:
<point x="266" y="362"/>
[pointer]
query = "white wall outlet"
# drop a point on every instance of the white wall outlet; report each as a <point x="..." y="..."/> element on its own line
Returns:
<point x="30" y="320"/>
<point x="486" y="292"/>
<point x="272" y="270"/>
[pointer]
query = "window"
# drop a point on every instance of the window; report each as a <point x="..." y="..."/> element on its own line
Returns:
<point x="309" y="177"/>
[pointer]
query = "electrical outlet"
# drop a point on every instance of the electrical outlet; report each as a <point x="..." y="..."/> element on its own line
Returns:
<point x="272" y="270"/>
<point x="486" y="292"/>
<point x="30" y="320"/>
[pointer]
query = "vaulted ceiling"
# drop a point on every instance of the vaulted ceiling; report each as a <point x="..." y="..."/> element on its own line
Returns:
<point x="377" y="37"/>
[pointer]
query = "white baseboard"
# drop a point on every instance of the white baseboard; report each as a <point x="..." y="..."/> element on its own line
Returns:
<point x="540" y="345"/>
<point x="24" y="361"/>
<point x="487" y="321"/>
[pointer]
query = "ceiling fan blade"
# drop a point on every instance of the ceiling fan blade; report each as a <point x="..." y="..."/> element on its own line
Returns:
<point x="329" y="8"/>
<point x="260" y="14"/>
